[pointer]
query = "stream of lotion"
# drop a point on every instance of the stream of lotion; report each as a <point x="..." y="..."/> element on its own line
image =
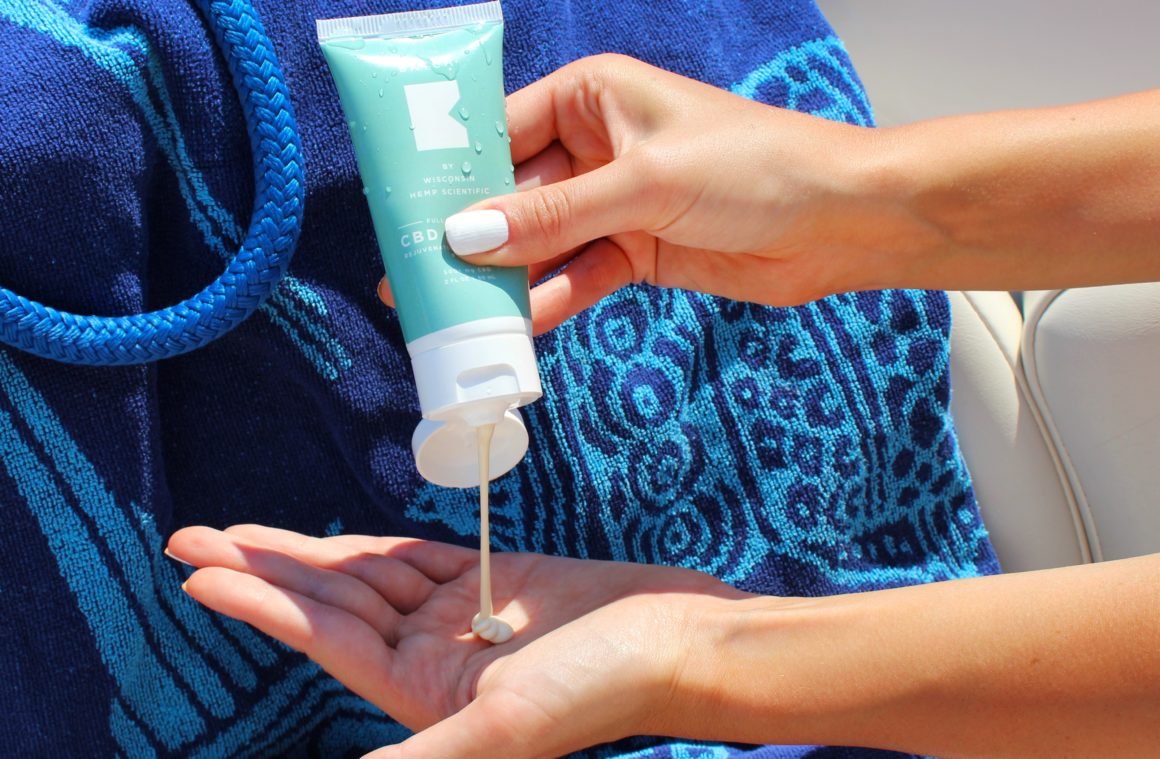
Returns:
<point x="484" y="625"/>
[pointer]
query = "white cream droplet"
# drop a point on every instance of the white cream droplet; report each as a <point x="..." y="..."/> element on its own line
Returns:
<point x="492" y="629"/>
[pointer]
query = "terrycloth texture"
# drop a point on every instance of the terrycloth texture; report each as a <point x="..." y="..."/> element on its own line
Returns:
<point x="250" y="276"/>
<point x="800" y="451"/>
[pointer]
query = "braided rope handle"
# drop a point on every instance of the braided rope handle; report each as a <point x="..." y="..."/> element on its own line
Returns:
<point x="253" y="272"/>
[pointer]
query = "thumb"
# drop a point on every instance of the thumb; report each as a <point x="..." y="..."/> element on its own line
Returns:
<point x="466" y="733"/>
<point x="485" y="727"/>
<point x="542" y="223"/>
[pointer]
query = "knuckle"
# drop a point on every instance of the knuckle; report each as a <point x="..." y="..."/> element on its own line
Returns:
<point x="606" y="63"/>
<point x="652" y="160"/>
<point x="301" y="545"/>
<point x="669" y="195"/>
<point x="592" y="77"/>
<point x="599" y="62"/>
<point x="549" y="212"/>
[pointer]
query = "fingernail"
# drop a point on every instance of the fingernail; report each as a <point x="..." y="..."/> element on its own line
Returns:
<point x="183" y="586"/>
<point x="179" y="561"/>
<point x="474" y="232"/>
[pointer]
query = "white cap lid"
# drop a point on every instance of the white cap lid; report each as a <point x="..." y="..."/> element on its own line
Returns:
<point x="470" y="375"/>
<point x="488" y="364"/>
<point x="447" y="453"/>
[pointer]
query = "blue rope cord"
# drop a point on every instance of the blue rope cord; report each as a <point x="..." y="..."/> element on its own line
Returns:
<point x="250" y="276"/>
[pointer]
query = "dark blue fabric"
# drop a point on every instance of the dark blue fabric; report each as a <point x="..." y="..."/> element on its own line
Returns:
<point x="798" y="451"/>
<point x="253" y="272"/>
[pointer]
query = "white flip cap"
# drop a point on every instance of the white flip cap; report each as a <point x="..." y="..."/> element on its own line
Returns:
<point x="468" y="376"/>
<point x="485" y="364"/>
<point x="447" y="453"/>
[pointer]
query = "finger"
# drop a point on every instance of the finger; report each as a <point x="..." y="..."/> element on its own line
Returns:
<point x="206" y="547"/>
<point x="538" y="271"/>
<point x="384" y="291"/>
<point x="343" y="644"/>
<point x="499" y="725"/>
<point x="531" y="115"/>
<point x="404" y="587"/>
<point x="569" y="105"/>
<point x="440" y="562"/>
<point x="547" y="167"/>
<point x="602" y="268"/>
<point x="551" y="165"/>
<point x="540" y="224"/>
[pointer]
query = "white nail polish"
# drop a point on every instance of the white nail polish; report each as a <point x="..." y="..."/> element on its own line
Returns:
<point x="476" y="231"/>
<point x="179" y="561"/>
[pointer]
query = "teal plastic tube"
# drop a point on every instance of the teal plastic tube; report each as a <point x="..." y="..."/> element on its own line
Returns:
<point x="424" y="99"/>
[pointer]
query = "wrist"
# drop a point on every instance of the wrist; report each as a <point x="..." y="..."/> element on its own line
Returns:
<point x="729" y="680"/>
<point x="787" y="671"/>
<point x="887" y="227"/>
<point x="854" y="207"/>
<point x="1035" y="664"/>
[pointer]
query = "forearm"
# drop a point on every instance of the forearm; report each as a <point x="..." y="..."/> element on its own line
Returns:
<point x="1051" y="197"/>
<point x="1052" y="664"/>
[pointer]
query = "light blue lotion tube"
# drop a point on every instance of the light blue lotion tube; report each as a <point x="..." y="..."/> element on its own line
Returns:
<point x="424" y="99"/>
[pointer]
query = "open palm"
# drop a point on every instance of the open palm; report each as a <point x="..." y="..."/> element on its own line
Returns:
<point x="595" y="649"/>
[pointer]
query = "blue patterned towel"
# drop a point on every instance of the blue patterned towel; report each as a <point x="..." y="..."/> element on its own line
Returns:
<point x="799" y="451"/>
